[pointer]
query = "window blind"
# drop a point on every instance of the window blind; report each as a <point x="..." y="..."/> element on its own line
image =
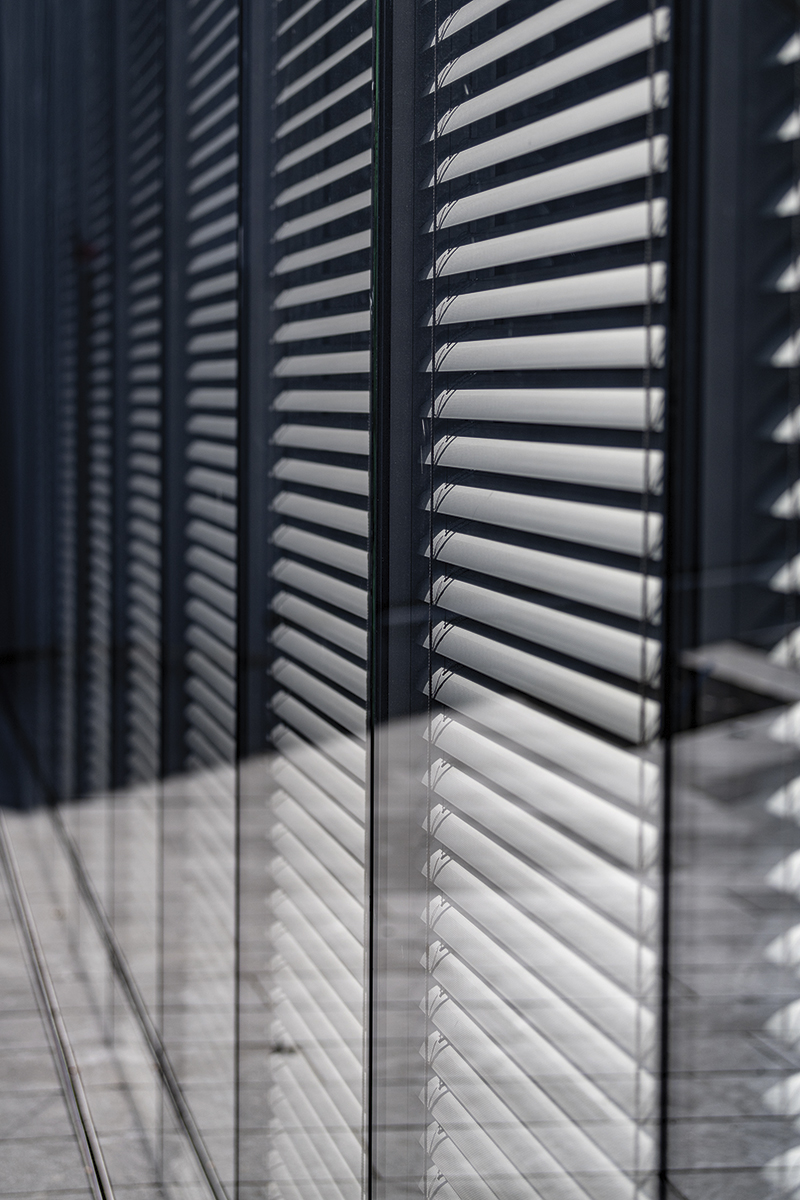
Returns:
<point x="212" y="171"/>
<point x="781" y="1171"/>
<point x="546" y="279"/>
<point x="321" y="278"/>
<point x="144" y="327"/>
<point x="199" y="852"/>
<point x="785" y="357"/>
<point x="96" y="255"/>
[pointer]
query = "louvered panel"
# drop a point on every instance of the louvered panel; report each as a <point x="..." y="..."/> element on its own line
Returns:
<point x="211" y="347"/>
<point x="132" y="846"/>
<point x="323" y="115"/>
<point x="98" y="252"/>
<point x="546" y="277"/>
<point x="782" y="357"/>
<point x="786" y="356"/>
<point x="200" y="906"/>
<point x="144" y="233"/>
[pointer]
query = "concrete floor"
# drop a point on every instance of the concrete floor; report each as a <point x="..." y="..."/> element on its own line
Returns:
<point x="146" y="1155"/>
<point x="734" y="1095"/>
<point x="39" y="1154"/>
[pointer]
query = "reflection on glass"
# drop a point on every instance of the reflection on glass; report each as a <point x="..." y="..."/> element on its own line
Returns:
<point x="731" y="1115"/>
<point x="541" y="343"/>
<point x="428" y="715"/>
<point x="319" y="599"/>
<point x="540" y="956"/>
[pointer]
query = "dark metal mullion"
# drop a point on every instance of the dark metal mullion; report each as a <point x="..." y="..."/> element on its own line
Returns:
<point x="682" y="461"/>
<point x="255" y="154"/>
<point x="396" y="659"/>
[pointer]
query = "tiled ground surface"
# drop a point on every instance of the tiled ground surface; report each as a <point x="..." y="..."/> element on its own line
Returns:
<point x="146" y="1158"/>
<point x="726" y="912"/>
<point x="39" y="1154"/>
<point x="728" y="907"/>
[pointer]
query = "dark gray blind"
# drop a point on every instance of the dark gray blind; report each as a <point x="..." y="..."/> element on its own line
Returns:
<point x="211" y="396"/>
<point x="547" y="279"/>
<point x="321" y="274"/>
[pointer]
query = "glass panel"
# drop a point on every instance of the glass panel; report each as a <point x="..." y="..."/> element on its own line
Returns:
<point x="420" y="678"/>
<point x="732" y="1047"/>
<point x="518" y="814"/>
<point x="314" y="979"/>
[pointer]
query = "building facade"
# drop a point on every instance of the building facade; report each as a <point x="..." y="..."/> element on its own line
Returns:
<point x="401" y="407"/>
